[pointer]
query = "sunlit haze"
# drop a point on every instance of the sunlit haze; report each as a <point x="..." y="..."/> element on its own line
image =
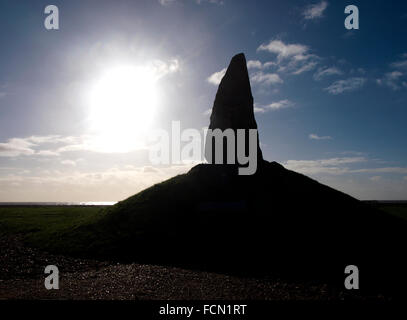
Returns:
<point x="123" y="103"/>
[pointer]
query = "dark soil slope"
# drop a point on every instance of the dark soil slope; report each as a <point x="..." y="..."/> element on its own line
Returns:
<point x="276" y="221"/>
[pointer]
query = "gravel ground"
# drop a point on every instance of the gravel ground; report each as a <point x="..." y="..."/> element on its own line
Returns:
<point x="22" y="277"/>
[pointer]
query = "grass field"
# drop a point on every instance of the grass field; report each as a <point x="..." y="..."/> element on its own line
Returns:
<point x="47" y="227"/>
<point x="44" y="226"/>
<point x="399" y="210"/>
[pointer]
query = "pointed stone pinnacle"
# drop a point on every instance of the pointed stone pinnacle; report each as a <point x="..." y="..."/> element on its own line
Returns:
<point x="233" y="106"/>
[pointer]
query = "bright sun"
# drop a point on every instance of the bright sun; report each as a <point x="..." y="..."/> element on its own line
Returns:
<point x="123" y="105"/>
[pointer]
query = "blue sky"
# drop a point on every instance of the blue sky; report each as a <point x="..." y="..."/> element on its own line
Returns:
<point x="330" y="103"/>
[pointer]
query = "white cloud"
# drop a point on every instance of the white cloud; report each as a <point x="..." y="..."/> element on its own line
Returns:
<point x="68" y="163"/>
<point x="376" y="178"/>
<point x="32" y="145"/>
<point x="325" y="72"/>
<point x="113" y="184"/>
<point x="394" y="79"/>
<point x="104" y="144"/>
<point x="15" y="147"/>
<point x="258" y="109"/>
<point x="283" y="50"/>
<point x="315" y="11"/>
<point x="323" y="166"/>
<point x="266" y="78"/>
<point x="391" y="80"/>
<point x="314" y="136"/>
<point x="254" y="64"/>
<point x="399" y="170"/>
<point x="52" y="139"/>
<point x="282" y="104"/>
<point x="216" y="77"/>
<point x="55" y="145"/>
<point x="47" y="153"/>
<point x="162" y="68"/>
<point x="269" y="64"/>
<point x="401" y="64"/>
<point x="341" y="86"/>
<point x="339" y="166"/>
<point x="306" y="67"/>
<point x="291" y="58"/>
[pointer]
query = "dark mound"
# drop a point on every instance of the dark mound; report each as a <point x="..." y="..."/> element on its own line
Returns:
<point x="275" y="221"/>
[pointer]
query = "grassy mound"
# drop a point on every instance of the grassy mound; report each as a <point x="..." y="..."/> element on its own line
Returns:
<point x="274" y="221"/>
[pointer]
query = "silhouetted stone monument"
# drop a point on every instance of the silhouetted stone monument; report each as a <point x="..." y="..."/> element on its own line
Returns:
<point x="273" y="222"/>
<point x="233" y="107"/>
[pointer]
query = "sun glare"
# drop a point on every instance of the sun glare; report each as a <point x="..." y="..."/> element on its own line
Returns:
<point x="123" y="105"/>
